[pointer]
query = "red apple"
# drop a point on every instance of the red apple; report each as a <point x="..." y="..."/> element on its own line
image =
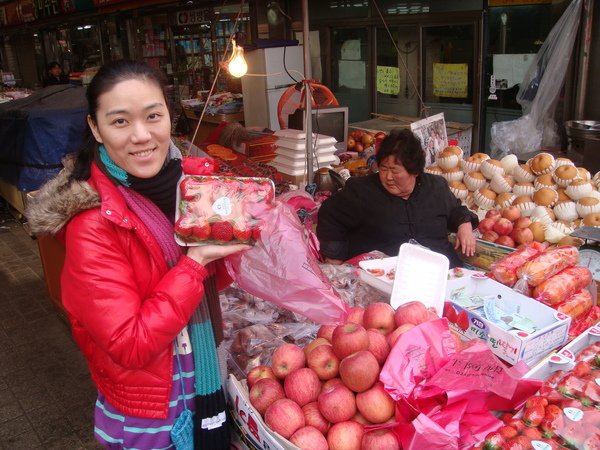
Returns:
<point x="351" y="143"/>
<point x="332" y="382"/>
<point x="302" y="385"/>
<point x="511" y="213"/>
<point x="522" y="222"/>
<point x="326" y="331"/>
<point x="287" y="358"/>
<point x="324" y="362"/>
<point x="337" y="403"/>
<point x="394" y="335"/>
<point x="522" y="236"/>
<point x="503" y="226"/>
<point x="314" y="418"/>
<point x="486" y="225"/>
<point x="284" y="416"/>
<point x="359" y="371"/>
<point x="493" y="214"/>
<point x="345" y="436"/>
<point x="309" y="438"/>
<point x="367" y="139"/>
<point x="384" y="439"/>
<point x="356" y="315"/>
<point x="378" y="345"/>
<point x="358" y="417"/>
<point x="359" y="147"/>
<point x="314" y="344"/>
<point x="505" y="241"/>
<point x="349" y="338"/>
<point x="413" y="312"/>
<point x="264" y="392"/>
<point x="379" y="315"/>
<point x="257" y="373"/>
<point x="375" y="404"/>
<point x="490" y="236"/>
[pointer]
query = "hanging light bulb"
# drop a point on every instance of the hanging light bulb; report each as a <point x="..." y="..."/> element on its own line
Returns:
<point x="237" y="64"/>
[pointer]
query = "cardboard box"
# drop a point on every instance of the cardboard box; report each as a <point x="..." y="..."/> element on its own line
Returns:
<point x="486" y="253"/>
<point x="564" y="359"/>
<point x="551" y="327"/>
<point x="252" y="429"/>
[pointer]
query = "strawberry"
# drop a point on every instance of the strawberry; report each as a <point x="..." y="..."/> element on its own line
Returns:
<point x="201" y="230"/>
<point x="256" y="233"/>
<point x="533" y="416"/>
<point x="591" y="392"/>
<point x="462" y="321"/>
<point x="536" y="400"/>
<point x="532" y="433"/>
<point x="493" y="441"/>
<point x="592" y="443"/>
<point x="505" y="417"/>
<point x="581" y="369"/>
<point x="184" y="226"/>
<point x="517" y="424"/>
<point x="553" y="421"/>
<point x="241" y="231"/>
<point x="574" y="434"/>
<point x="508" y="432"/>
<point x="450" y="313"/>
<point x="570" y="386"/>
<point x="222" y="231"/>
<point x="552" y="380"/>
<point x="190" y="188"/>
<point x="518" y="443"/>
<point x="551" y="394"/>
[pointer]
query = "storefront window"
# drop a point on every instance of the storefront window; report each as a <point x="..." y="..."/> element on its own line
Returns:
<point x="75" y="48"/>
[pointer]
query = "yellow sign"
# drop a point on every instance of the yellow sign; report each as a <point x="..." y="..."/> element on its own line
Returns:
<point x="450" y="80"/>
<point x="388" y="80"/>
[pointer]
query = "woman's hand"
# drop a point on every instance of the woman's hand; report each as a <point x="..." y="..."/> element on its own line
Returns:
<point x="336" y="262"/>
<point x="465" y="239"/>
<point x="204" y="254"/>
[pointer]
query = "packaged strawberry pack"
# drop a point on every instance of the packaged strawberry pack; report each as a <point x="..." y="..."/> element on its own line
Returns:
<point x="221" y="209"/>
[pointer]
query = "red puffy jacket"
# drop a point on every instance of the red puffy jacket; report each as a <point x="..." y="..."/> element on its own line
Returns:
<point x="124" y="304"/>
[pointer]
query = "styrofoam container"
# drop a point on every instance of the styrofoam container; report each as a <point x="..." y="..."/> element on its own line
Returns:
<point x="421" y="274"/>
<point x="289" y="134"/>
<point x="301" y="154"/>
<point x="564" y="359"/>
<point x="383" y="282"/>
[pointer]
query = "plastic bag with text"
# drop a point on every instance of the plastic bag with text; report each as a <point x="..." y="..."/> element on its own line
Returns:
<point x="282" y="269"/>
<point x="443" y="397"/>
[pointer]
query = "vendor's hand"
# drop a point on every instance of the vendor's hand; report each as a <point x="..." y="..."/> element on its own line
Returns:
<point x="336" y="262"/>
<point x="465" y="239"/>
<point x="204" y="254"/>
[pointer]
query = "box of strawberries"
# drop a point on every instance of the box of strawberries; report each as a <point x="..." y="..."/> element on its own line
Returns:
<point x="221" y="209"/>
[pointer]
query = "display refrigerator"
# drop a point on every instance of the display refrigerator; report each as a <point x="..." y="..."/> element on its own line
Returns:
<point x="270" y="72"/>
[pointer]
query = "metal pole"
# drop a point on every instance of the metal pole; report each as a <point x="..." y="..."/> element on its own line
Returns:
<point x="584" y="58"/>
<point x="307" y="92"/>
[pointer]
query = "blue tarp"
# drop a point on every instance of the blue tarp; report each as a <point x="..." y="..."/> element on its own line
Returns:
<point x="36" y="132"/>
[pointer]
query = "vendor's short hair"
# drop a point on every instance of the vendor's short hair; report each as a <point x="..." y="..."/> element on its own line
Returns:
<point x="406" y="148"/>
<point x="53" y="64"/>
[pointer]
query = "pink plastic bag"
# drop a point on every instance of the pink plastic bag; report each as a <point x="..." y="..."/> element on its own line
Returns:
<point x="282" y="268"/>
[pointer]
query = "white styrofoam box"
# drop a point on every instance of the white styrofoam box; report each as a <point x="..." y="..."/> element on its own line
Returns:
<point x="294" y="137"/>
<point x="512" y="346"/>
<point x="300" y="146"/>
<point x="421" y="274"/>
<point x="294" y="154"/>
<point x="384" y="281"/>
<point x="564" y="359"/>
<point x="285" y="163"/>
<point x="250" y="422"/>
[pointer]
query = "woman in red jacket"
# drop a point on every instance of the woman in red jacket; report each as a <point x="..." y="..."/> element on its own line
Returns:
<point x="136" y="302"/>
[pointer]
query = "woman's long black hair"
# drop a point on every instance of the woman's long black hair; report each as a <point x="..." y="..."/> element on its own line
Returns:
<point x="107" y="77"/>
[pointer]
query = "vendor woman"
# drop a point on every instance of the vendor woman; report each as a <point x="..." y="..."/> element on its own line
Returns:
<point x="400" y="203"/>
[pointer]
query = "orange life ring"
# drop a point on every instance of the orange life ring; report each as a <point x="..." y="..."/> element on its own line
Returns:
<point x="293" y="98"/>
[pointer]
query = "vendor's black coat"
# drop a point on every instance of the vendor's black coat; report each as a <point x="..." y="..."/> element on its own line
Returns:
<point x="364" y="216"/>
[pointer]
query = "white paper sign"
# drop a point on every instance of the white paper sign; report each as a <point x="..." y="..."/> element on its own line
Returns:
<point x="353" y="74"/>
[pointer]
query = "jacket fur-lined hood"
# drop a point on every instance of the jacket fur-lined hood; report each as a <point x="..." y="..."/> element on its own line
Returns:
<point x="59" y="200"/>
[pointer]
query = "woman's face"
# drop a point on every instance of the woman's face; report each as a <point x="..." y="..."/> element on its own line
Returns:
<point x="394" y="177"/>
<point x="134" y="125"/>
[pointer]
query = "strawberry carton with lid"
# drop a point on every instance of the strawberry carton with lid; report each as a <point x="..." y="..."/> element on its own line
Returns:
<point x="220" y="209"/>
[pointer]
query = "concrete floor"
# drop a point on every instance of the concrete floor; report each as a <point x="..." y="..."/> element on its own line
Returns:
<point x="46" y="395"/>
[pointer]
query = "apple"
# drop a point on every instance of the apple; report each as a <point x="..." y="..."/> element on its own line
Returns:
<point x="511" y="213"/>
<point x="359" y="371"/>
<point x="493" y="214"/>
<point x="486" y="225"/>
<point x="490" y="236"/>
<point x="359" y="147"/>
<point x="522" y="222"/>
<point x="375" y="404"/>
<point x="356" y="315"/>
<point x="358" y="134"/>
<point x="367" y="139"/>
<point x="257" y="373"/>
<point x="505" y="241"/>
<point x="349" y="338"/>
<point x="379" y="315"/>
<point x="314" y="418"/>
<point x="309" y="438"/>
<point x="345" y="436"/>
<point x="284" y="416"/>
<point x="323" y="362"/>
<point x="264" y="392"/>
<point x="302" y="385"/>
<point x="326" y="331"/>
<point x="378" y="345"/>
<point x="351" y="143"/>
<point x="521" y="235"/>
<point x="332" y="382"/>
<point x="337" y="403"/>
<point x="314" y="344"/>
<point x="384" y="439"/>
<point x="413" y="312"/>
<point x="380" y="135"/>
<point x="358" y="417"/>
<point x="503" y="226"/>
<point x="394" y="335"/>
<point x="287" y="358"/>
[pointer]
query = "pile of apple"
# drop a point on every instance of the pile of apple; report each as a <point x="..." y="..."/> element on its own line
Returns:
<point x="321" y="396"/>
<point x="359" y="140"/>
<point x="507" y="227"/>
